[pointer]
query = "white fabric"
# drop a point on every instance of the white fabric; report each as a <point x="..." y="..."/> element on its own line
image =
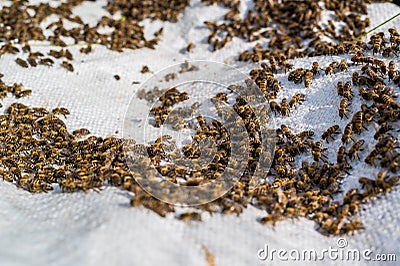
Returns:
<point x="100" y="228"/>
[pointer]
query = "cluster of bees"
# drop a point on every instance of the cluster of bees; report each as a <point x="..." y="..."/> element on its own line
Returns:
<point x="291" y="27"/>
<point x="37" y="151"/>
<point x="37" y="58"/>
<point x="321" y="179"/>
<point x="21" y="24"/>
<point x="301" y="188"/>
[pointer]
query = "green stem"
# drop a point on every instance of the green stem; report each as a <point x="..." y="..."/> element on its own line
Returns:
<point x="374" y="28"/>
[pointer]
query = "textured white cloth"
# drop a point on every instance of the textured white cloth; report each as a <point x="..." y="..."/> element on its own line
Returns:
<point x="100" y="228"/>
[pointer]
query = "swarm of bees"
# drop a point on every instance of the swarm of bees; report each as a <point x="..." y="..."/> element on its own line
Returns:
<point x="38" y="152"/>
<point x="302" y="37"/>
<point x="22" y="21"/>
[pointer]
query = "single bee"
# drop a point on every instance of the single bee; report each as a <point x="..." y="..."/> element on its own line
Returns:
<point x="190" y="47"/>
<point x="358" y="120"/>
<point x="67" y="65"/>
<point x="297" y="75"/>
<point x="343" y="65"/>
<point x="340" y="156"/>
<point x="353" y="152"/>
<point x="285" y="131"/>
<point x="385" y="127"/>
<point x="285" y="107"/>
<point x="330" y="69"/>
<point x="32" y="61"/>
<point x="22" y="62"/>
<point x="347" y="93"/>
<point x="275" y="107"/>
<point x="308" y="78"/>
<point x="145" y="69"/>
<point x="317" y="150"/>
<point x="340" y="88"/>
<point x="391" y="70"/>
<point x="68" y="55"/>
<point x="287" y="66"/>
<point x="343" y="108"/>
<point x="60" y="111"/>
<point x="81" y="132"/>
<point x="298" y="98"/>
<point x="272" y="219"/>
<point x="117" y="77"/>
<point x="315" y="68"/>
<point x="306" y="134"/>
<point x="56" y="54"/>
<point x="23" y="93"/>
<point x="352" y="226"/>
<point x="330" y="133"/>
<point x="46" y="61"/>
<point x="396" y="79"/>
<point x="347" y="133"/>
<point x="86" y="50"/>
<point x="190" y="216"/>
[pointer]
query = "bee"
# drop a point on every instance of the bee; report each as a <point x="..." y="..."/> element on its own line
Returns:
<point x="352" y="226"/>
<point x="308" y="78"/>
<point x="67" y="66"/>
<point x="190" y="47"/>
<point x="315" y="68"/>
<point x="81" y="132"/>
<point x="385" y="127"/>
<point x="330" y="133"/>
<point x="331" y="68"/>
<point x="271" y="219"/>
<point x="275" y="107"/>
<point x="389" y="101"/>
<point x="22" y="62"/>
<point x="340" y="88"/>
<point x="68" y="55"/>
<point x="297" y="75"/>
<point x="32" y="61"/>
<point x="216" y="45"/>
<point x="343" y="65"/>
<point x="23" y="93"/>
<point x="347" y="133"/>
<point x="285" y="107"/>
<point x="56" y="54"/>
<point x="306" y="134"/>
<point x="117" y="77"/>
<point x="396" y="79"/>
<point x="36" y="54"/>
<point x="26" y="48"/>
<point x="263" y="85"/>
<point x="60" y="111"/>
<point x="353" y="152"/>
<point x="347" y="93"/>
<point x="343" y="108"/>
<point x="391" y="70"/>
<point x="46" y="61"/>
<point x="317" y="150"/>
<point x="221" y="96"/>
<point x="86" y="50"/>
<point x="298" y="98"/>
<point x="190" y="216"/>
<point x="357" y="120"/>
<point x="272" y="62"/>
<point x="287" y="66"/>
<point x="145" y="69"/>
<point x="340" y="156"/>
<point x="372" y="74"/>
